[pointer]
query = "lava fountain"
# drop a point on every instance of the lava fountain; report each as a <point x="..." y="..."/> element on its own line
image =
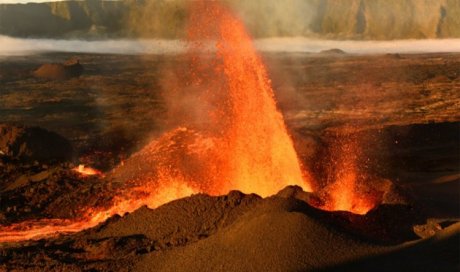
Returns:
<point x="239" y="140"/>
<point x="254" y="152"/>
<point x="243" y="143"/>
<point x="347" y="187"/>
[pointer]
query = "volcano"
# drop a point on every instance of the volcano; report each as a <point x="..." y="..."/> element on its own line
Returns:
<point x="242" y="143"/>
<point x="225" y="186"/>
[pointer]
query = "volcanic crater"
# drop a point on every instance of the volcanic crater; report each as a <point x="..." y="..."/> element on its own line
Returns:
<point x="237" y="176"/>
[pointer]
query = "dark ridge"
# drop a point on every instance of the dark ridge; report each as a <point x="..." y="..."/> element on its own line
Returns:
<point x="99" y="19"/>
<point x="361" y="18"/>
<point x="316" y="23"/>
<point x="442" y="19"/>
<point x="33" y="143"/>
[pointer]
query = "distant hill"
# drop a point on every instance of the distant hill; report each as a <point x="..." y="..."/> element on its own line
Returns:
<point x="63" y="19"/>
<point x="332" y="19"/>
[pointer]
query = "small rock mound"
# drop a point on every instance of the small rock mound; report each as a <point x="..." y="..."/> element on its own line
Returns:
<point x="334" y="51"/>
<point x="57" y="71"/>
<point x="33" y="143"/>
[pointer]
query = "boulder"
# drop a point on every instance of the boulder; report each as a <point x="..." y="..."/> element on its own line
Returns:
<point x="33" y="143"/>
<point x="57" y="71"/>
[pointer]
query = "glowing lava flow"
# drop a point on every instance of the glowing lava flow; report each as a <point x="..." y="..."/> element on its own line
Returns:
<point x="87" y="171"/>
<point x="243" y="145"/>
<point x="35" y="229"/>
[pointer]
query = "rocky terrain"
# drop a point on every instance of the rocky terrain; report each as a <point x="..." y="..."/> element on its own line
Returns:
<point x="327" y="19"/>
<point x="406" y="109"/>
<point x="236" y="232"/>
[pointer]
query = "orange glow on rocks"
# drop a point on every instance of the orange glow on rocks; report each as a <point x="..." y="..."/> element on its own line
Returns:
<point x="87" y="171"/>
<point x="91" y="217"/>
<point x="348" y="187"/>
<point x="236" y="139"/>
<point x="240" y="143"/>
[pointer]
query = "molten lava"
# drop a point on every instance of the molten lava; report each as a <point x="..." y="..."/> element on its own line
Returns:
<point x="87" y="171"/>
<point x="254" y="152"/>
<point x="348" y="188"/>
<point x="241" y="141"/>
<point x="235" y="139"/>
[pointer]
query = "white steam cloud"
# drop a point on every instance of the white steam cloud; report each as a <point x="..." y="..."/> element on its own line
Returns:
<point x="16" y="46"/>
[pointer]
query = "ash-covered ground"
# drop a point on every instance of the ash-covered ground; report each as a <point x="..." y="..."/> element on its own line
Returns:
<point x="406" y="109"/>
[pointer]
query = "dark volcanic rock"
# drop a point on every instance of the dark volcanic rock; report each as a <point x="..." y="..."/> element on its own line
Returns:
<point x="390" y="222"/>
<point x="57" y="71"/>
<point x="235" y="232"/>
<point x="438" y="253"/>
<point x="33" y="143"/>
<point x="31" y="191"/>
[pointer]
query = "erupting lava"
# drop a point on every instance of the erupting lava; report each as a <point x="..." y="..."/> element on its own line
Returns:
<point x="87" y="171"/>
<point x="240" y="141"/>
<point x="253" y="151"/>
<point x="243" y="145"/>
<point x="347" y="187"/>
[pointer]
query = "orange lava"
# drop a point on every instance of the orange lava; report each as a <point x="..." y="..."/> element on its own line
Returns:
<point x="254" y="152"/>
<point x="87" y="171"/>
<point x="240" y="143"/>
<point x="348" y="188"/>
<point x="91" y="217"/>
